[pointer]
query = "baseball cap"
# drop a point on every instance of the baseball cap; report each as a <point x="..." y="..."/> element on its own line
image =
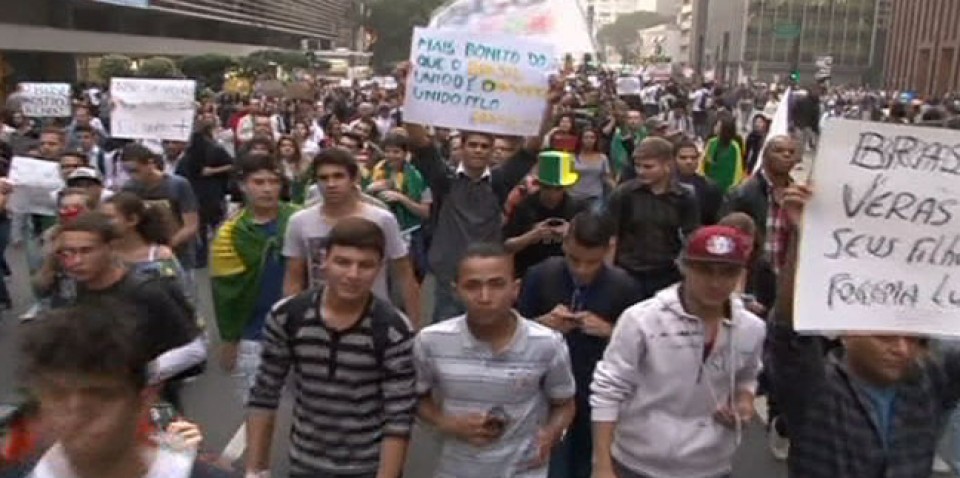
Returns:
<point x="84" y="173"/>
<point x="722" y="244"/>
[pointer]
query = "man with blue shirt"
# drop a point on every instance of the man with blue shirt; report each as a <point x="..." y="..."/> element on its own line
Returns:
<point x="247" y="266"/>
<point x="580" y="296"/>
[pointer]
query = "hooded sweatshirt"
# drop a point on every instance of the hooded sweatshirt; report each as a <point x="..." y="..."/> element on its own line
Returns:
<point x="656" y="385"/>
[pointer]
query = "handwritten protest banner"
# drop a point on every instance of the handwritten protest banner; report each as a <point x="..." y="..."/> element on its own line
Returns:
<point x="477" y="82"/>
<point x="880" y="248"/>
<point x="46" y="100"/>
<point x="34" y="183"/>
<point x="152" y="109"/>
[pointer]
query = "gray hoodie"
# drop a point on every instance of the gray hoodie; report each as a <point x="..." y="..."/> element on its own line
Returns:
<point x="654" y="383"/>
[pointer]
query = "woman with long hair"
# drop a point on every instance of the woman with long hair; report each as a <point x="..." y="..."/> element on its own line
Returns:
<point x="723" y="155"/>
<point x="755" y="140"/>
<point x="593" y="167"/>
<point x="296" y="169"/>
<point x="144" y="236"/>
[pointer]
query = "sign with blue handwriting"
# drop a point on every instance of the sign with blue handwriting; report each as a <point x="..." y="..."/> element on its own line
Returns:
<point x="474" y="82"/>
<point x="152" y="108"/>
<point x="880" y="241"/>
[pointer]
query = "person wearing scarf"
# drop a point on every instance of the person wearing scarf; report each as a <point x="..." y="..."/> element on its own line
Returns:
<point x="246" y="266"/>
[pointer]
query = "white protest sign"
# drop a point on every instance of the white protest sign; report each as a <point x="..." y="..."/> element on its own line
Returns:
<point x="46" y="100"/>
<point x="880" y="248"/>
<point x="34" y="182"/>
<point x="628" y="85"/>
<point x="152" y="109"/>
<point x="477" y="82"/>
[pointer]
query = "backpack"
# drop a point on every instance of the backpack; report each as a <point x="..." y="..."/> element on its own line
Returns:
<point x="380" y="320"/>
<point x="172" y="287"/>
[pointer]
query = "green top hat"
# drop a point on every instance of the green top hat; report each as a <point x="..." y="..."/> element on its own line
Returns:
<point x="556" y="169"/>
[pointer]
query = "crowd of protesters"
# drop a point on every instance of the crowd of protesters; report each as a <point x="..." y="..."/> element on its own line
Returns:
<point x="609" y="296"/>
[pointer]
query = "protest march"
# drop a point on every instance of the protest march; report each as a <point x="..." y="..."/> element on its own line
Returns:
<point x="505" y="256"/>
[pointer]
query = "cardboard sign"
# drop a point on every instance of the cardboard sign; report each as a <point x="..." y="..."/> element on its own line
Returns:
<point x="46" y="100"/>
<point x="880" y="248"/>
<point x="152" y="109"/>
<point x="477" y="82"/>
<point x="34" y="183"/>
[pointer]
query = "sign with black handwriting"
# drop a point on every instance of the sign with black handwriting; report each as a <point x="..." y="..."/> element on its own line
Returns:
<point x="880" y="248"/>
<point x="152" y="108"/>
<point x="477" y="82"/>
<point x="46" y="100"/>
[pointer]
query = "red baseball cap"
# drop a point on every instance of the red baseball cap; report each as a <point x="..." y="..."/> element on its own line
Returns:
<point x="718" y="244"/>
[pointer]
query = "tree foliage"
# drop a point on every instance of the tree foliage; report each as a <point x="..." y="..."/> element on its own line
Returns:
<point x="208" y="69"/>
<point x="622" y="35"/>
<point x="392" y="22"/>
<point x="114" y="66"/>
<point x="158" y="67"/>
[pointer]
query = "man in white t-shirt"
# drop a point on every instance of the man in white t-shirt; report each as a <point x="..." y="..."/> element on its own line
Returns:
<point x="308" y="230"/>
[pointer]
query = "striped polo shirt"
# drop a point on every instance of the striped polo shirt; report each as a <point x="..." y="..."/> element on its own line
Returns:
<point x="346" y="400"/>
<point x="468" y="377"/>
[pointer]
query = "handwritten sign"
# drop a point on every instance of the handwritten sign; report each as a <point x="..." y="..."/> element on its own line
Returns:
<point x="152" y="109"/>
<point x="880" y="249"/>
<point x="34" y="183"/>
<point x="477" y="82"/>
<point x="46" y="100"/>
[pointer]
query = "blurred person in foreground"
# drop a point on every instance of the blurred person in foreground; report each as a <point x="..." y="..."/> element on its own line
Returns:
<point x="86" y="369"/>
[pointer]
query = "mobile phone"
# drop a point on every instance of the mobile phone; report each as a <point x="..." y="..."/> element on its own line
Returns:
<point x="497" y="419"/>
<point x="555" y="222"/>
<point x="162" y="415"/>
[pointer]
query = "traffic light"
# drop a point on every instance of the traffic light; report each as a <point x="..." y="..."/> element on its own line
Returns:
<point x="795" y="77"/>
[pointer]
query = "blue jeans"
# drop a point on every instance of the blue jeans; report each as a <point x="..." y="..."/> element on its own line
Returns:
<point x="446" y="303"/>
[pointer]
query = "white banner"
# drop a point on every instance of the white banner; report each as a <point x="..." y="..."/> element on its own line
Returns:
<point x="561" y="23"/>
<point x="477" y="82"/>
<point x="880" y="248"/>
<point x="46" y="100"/>
<point x="152" y="109"/>
<point x="34" y="183"/>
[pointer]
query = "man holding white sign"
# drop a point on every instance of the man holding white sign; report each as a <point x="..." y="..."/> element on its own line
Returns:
<point x="874" y="408"/>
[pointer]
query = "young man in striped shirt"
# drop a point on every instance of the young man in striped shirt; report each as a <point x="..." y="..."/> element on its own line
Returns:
<point x="353" y="361"/>
<point x="497" y="386"/>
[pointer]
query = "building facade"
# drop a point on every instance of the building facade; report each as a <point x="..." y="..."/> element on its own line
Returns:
<point x="923" y="52"/>
<point x="783" y="34"/>
<point x="42" y="39"/>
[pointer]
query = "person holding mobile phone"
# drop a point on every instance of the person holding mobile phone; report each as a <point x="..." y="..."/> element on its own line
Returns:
<point x="507" y="422"/>
<point x="536" y="229"/>
<point x="89" y="372"/>
<point x="580" y="296"/>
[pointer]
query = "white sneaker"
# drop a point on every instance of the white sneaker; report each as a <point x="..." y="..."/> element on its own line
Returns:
<point x="940" y="466"/>
<point x="779" y="444"/>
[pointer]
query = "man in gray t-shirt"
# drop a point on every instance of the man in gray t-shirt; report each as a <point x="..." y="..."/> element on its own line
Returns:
<point x="307" y="234"/>
<point x="337" y="174"/>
